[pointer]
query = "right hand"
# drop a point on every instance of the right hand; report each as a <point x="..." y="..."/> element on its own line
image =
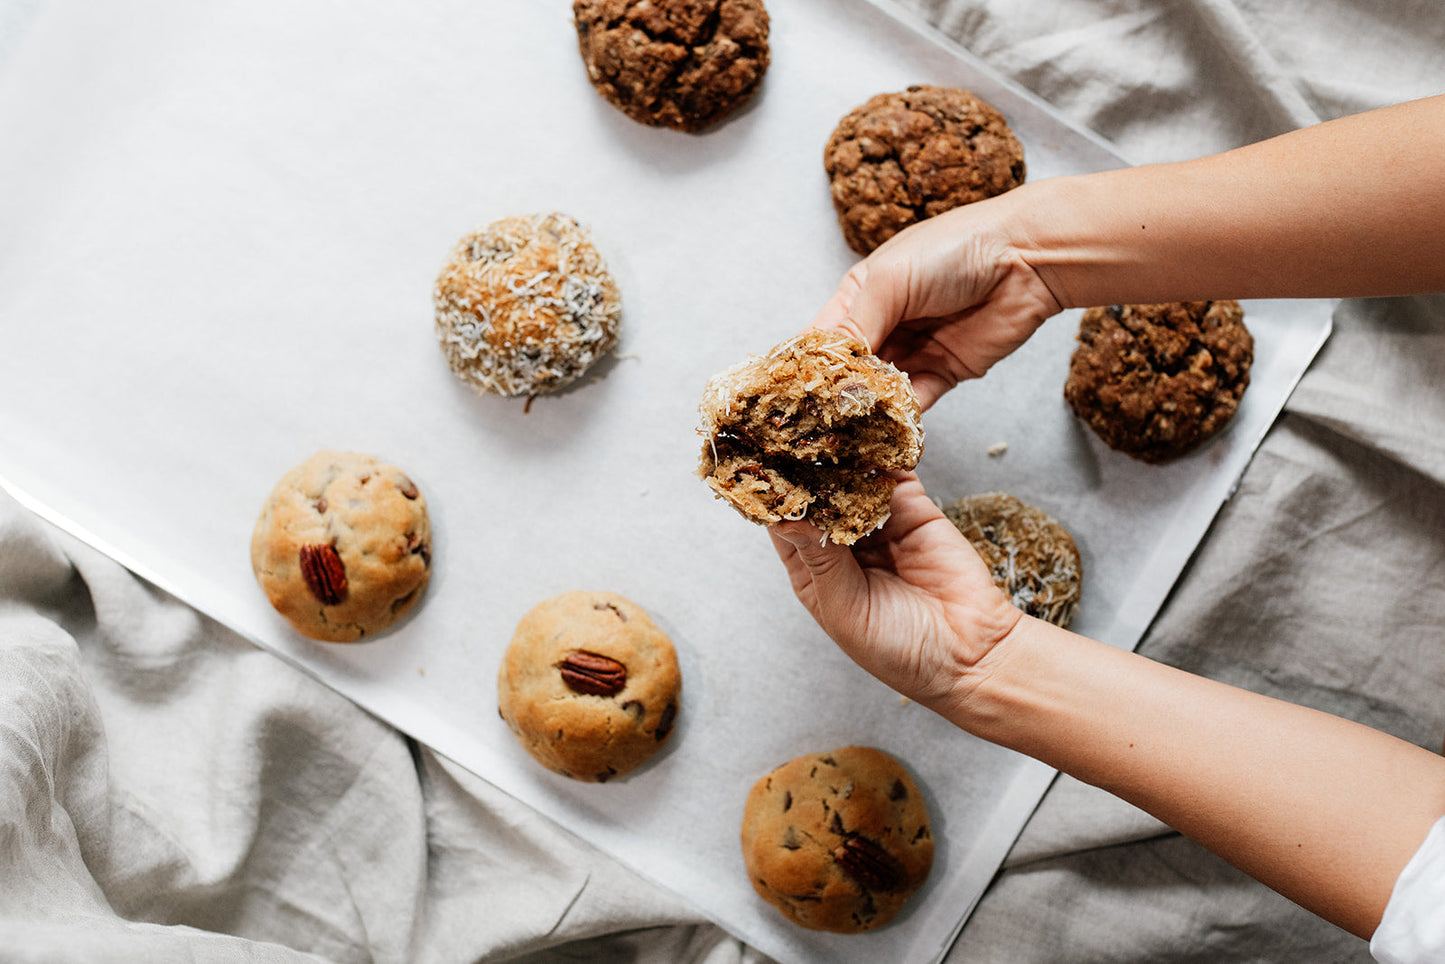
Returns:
<point x="945" y="299"/>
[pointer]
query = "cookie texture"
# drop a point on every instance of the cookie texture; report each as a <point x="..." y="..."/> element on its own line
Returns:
<point x="1032" y="558"/>
<point x="590" y="685"/>
<point x="683" y="64"/>
<point x="810" y="430"/>
<point x="525" y="305"/>
<point x="837" y="841"/>
<point x="1156" y="381"/>
<point x="342" y="548"/>
<point x="903" y="157"/>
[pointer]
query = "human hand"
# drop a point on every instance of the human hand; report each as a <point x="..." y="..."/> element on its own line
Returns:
<point x="947" y="298"/>
<point x="913" y="603"/>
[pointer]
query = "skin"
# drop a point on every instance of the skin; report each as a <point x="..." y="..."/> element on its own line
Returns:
<point x="1290" y="795"/>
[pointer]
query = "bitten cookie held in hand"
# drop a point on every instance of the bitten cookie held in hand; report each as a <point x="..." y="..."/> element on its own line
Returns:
<point x="590" y="685"/>
<point x="342" y="548"/>
<point x="810" y="431"/>
<point x="837" y="841"/>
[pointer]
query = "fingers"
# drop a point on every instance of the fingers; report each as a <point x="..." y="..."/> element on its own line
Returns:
<point x="837" y="313"/>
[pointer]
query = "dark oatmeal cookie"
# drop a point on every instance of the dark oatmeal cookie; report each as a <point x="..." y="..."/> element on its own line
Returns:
<point x="837" y="841"/>
<point x="589" y="685"/>
<point x="342" y="548"/>
<point x="903" y="157"/>
<point x="684" y="64"/>
<point x="1156" y="381"/>
<point x="1031" y="557"/>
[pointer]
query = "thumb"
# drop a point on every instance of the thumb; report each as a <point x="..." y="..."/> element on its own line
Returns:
<point x="825" y="575"/>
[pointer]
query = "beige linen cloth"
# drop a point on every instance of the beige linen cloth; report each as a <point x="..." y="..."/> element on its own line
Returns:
<point x="169" y="793"/>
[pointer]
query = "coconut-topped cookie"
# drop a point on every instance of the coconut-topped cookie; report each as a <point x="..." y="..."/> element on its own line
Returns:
<point x="1031" y="557"/>
<point x="810" y="431"/>
<point x="525" y="305"/>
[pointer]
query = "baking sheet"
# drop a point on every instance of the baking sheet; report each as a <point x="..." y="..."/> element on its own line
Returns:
<point x="218" y="232"/>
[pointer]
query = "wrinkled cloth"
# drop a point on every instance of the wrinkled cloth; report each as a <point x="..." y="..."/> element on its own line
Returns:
<point x="168" y="792"/>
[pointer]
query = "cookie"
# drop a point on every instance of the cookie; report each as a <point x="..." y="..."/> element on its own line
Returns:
<point x="810" y="430"/>
<point x="1032" y="558"/>
<point x="903" y="157"/>
<point x="525" y="305"/>
<point x="1156" y="381"/>
<point x="589" y="685"/>
<point x="343" y="546"/>
<point x="837" y="841"/>
<point x="683" y="64"/>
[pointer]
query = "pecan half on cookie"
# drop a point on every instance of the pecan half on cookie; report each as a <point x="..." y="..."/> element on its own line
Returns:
<point x="590" y="685"/>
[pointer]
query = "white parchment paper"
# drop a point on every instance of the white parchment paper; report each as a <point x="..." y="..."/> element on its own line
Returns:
<point x="219" y="227"/>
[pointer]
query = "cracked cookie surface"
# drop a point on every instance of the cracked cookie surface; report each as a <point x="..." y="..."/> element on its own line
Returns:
<point x="810" y="430"/>
<point x="525" y="305"/>
<point x="590" y="685"/>
<point x="1031" y="557"/>
<point x="1156" y="381"/>
<point x="342" y="547"/>
<point x="903" y="157"/>
<point x="683" y="64"/>
<point x="837" y="841"/>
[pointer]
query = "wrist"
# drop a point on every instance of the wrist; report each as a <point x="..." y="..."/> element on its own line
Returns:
<point x="1006" y="694"/>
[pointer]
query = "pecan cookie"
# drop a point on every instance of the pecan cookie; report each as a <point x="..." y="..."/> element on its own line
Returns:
<point x="1031" y="557"/>
<point x="837" y="841"/>
<point x="343" y="546"/>
<point x="907" y="156"/>
<point x="1156" y="381"/>
<point x="525" y="305"/>
<point x="589" y="685"/>
<point x="684" y="64"/>
<point x="810" y="430"/>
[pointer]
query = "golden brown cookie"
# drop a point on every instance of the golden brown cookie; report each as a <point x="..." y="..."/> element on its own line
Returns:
<point x="906" y="156"/>
<point x="343" y="546"/>
<point x="525" y="305"/>
<point x="1032" y="558"/>
<point x="684" y="64"/>
<point x="589" y="685"/>
<point x="837" y="841"/>
<point x="1156" y="381"/>
<point x="810" y="430"/>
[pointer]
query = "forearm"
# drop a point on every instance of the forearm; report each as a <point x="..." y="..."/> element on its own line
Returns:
<point x="1323" y="810"/>
<point x="1347" y="208"/>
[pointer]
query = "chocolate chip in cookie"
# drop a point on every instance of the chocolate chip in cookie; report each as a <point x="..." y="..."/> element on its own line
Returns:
<point x="906" y="156"/>
<point x="683" y="64"/>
